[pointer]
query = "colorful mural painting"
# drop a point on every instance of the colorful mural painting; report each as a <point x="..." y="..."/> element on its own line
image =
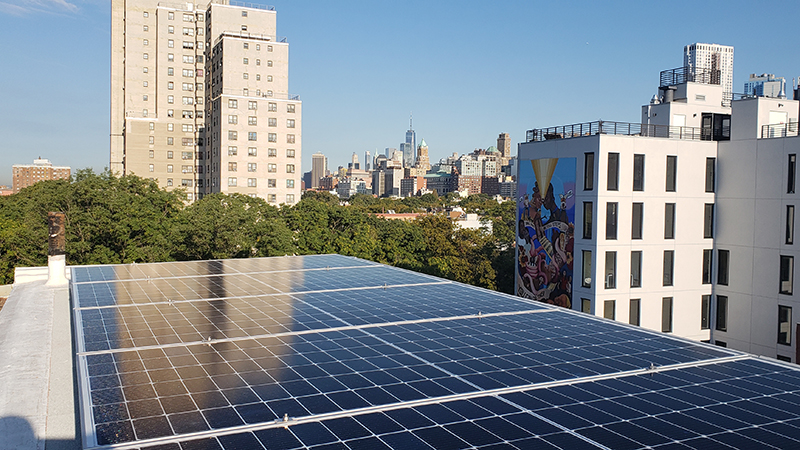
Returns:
<point x="546" y="230"/>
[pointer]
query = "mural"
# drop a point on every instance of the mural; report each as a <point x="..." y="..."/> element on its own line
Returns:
<point x="546" y="230"/>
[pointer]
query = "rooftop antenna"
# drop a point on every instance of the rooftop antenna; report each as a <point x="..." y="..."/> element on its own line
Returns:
<point x="411" y="121"/>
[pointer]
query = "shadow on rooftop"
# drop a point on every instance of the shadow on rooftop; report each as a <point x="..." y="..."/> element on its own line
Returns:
<point x="16" y="433"/>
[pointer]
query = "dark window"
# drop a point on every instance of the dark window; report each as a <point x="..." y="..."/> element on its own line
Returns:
<point x="784" y="325"/>
<point x="790" y="224"/>
<point x="666" y="314"/>
<point x="711" y="174"/>
<point x="672" y="167"/>
<point x="720" y="343"/>
<point x="669" y="263"/>
<point x="586" y="305"/>
<point x="708" y="221"/>
<point x="669" y="221"/>
<point x="613" y="171"/>
<point x="638" y="172"/>
<point x="636" y="269"/>
<point x="708" y="256"/>
<point x="722" y="313"/>
<point x="587" y="220"/>
<point x="609" y="309"/>
<point x="588" y="171"/>
<point x="787" y="274"/>
<point x="723" y="257"/>
<point x="611" y="220"/>
<point x="611" y="270"/>
<point x="635" y="312"/>
<point x="587" y="269"/>
<point x="792" y="174"/>
<point x="705" y="313"/>
<point x="784" y="358"/>
<point x="637" y="220"/>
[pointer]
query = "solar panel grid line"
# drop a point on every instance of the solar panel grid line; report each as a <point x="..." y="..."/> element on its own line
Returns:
<point x="314" y="331"/>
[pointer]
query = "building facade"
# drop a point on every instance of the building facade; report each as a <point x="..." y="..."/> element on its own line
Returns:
<point x="319" y="168"/>
<point x="24" y="175"/>
<point x="177" y="117"/>
<point x="713" y="59"/>
<point x="765" y="85"/>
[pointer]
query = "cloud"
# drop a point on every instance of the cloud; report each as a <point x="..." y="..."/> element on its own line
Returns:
<point x="25" y="7"/>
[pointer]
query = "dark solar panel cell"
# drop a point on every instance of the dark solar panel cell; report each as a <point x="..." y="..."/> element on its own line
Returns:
<point x="114" y="433"/>
<point x="222" y="417"/>
<point x="151" y="427"/>
<point x="313" y="434"/>
<point x="201" y="444"/>
<point x="641" y="435"/>
<point x="565" y="441"/>
<point x="278" y="439"/>
<point x="188" y="422"/>
<point x="241" y="441"/>
<point x="609" y="438"/>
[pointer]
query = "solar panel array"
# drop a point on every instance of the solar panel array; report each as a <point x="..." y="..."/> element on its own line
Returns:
<point x="332" y="352"/>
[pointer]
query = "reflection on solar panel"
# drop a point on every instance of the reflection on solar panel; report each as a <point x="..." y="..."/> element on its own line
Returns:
<point x="334" y="352"/>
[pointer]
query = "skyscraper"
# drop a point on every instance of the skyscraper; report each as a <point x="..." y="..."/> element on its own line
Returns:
<point x="410" y="144"/>
<point x="714" y="60"/>
<point x="504" y="145"/>
<point x="367" y="161"/>
<point x="177" y="118"/>
<point x="423" y="162"/>
<point x="319" y="168"/>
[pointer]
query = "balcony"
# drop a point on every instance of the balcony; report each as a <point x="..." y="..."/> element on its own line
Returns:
<point x="616" y="128"/>
<point x="779" y="130"/>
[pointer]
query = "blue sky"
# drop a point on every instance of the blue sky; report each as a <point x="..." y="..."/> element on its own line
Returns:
<point x="468" y="70"/>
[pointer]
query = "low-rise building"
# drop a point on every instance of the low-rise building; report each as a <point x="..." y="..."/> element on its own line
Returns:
<point x="24" y="175"/>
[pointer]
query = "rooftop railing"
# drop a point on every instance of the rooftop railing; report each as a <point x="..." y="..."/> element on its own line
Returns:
<point x="250" y="5"/>
<point x="680" y="75"/>
<point x="778" y="130"/>
<point x="247" y="35"/>
<point x="616" y="128"/>
<point x="256" y="94"/>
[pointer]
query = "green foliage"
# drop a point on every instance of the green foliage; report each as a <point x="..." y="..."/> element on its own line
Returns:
<point x="128" y="219"/>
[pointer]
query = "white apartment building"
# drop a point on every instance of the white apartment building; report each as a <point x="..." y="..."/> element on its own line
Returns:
<point x="682" y="229"/>
<point x="712" y="59"/>
<point x="199" y="99"/>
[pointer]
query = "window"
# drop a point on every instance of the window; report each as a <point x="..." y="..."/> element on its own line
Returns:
<point x="170" y="99"/>
<point x="611" y="220"/>
<point x="188" y="59"/>
<point x="290" y="168"/>
<point x="252" y="120"/>
<point x="636" y="269"/>
<point x="792" y="174"/>
<point x="669" y="266"/>
<point x="271" y="152"/>
<point x="244" y="14"/>
<point x="232" y="167"/>
<point x="170" y="113"/>
<point x="272" y="198"/>
<point x="705" y="312"/>
<point x="170" y="85"/>
<point x="635" y="312"/>
<point x="233" y="135"/>
<point x="169" y="181"/>
<point x="722" y="313"/>
<point x="609" y="309"/>
<point x="613" y="172"/>
<point x="269" y="48"/>
<point x="290" y="139"/>
<point x="586" y="305"/>
<point x="144" y="97"/>
<point x="145" y="42"/>
<point x="611" y="270"/>
<point x="146" y="14"/>
<point x="784" y="325"/>
<point x="232" y="181"/>
<point x="170" y="43"/>
<point x="272" y="182"/>
<point x="269" y="78"/>
<point x="187" y="169"/>
<point x="246" y="76"/>
<point x="251" y="167"/>
<point x="290" y="183"/>
<point x="269" y="62"/>
<point x="188" y="100"/>
<point x="233" y="104"/>
<point x="637" y="219"/>
<point x="170" y="71"/>
<point x="152" y="140"/>
<point x="290" y="108"/>
<point x="290" y="153"/>
<point x="638" y="172"/>
<point x="272" y="137"/>
<point x="233" y="119"/>
<point x="145" y="28"/>
<point x="258" y="46"/>
<point x="787" y="274"/>
<point x="790" y="224"/>
<point x="144" y="55"/>
<point x="187" y="155"/>
<point x="187" y="128"/>
<point x="669" y="221"/>
<point x="666" y="314"/>
<point x="272" y="107"/>
<point x="152" y="168"/>
<point x="273" y="122"/>
<point x="170" y="57"/>
<point x="169" y="168"/>
<point x="188" y="86"/>
<point x="171" y="29"/>
<point x="252" y="136"/>
<point x="587" y="220"/>
<point x="586" y="272"/>
<point x="708" y="256"/>
<point x="144" y="69"/>
<point x="246" y="45"/>
<point x="188" y="18"/>
<point x="152" y="126"/>
<point x="252" y="106"/>
<point x="784" y="358"/>
<point x="289" y="123"/>
<point x="258" y="78"/>
<point x="188" y="73"/>
<point x="290" y="198"/>
<point x="169" y="154"/>
<point x="711" y="174"/>
<point x="722" y="267"/>
<point x="672" y="167"/>
<point x="272" y="168"/>
<point x="708" y="221"/>
<point x="233" y="150"/>
<point x="251" y="182"/>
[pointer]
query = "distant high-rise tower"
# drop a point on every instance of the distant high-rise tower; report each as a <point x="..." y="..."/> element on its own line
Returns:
<point x="504" y="145"/>
<point x="765" y="85"/>
<point x="410" y="144"/>
<point x="367" y="161"/>
<point x="179" y="119"/>
<point x="354" y="162"/>
<point x="319" y="167"/>
<point x="423" y="162"/>
<point x="714" y="60"/>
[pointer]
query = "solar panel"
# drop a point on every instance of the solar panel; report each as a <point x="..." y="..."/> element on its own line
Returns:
<point x="337" y="352"/>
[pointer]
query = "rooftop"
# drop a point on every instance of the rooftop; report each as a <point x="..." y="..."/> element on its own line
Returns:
<point x="292" y="352"/>
<point x="616" y="128"/>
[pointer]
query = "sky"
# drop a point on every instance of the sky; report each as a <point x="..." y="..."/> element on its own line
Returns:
<point x="467" y="70"/>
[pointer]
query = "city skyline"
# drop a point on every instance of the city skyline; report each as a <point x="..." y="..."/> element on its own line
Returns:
<point x="469" y="80"/>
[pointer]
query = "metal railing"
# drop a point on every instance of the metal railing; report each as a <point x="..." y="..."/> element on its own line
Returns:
<point x="615" y="128"/>
<point x="681" y="75"/>
<point x="248" y="35"/>
<point x="256" y="94"/>
<point x="778" y="130"/>
<point x="250" y="5"/>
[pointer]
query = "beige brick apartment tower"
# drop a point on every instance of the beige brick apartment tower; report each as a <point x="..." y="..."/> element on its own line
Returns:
<point x="200" y="99"/>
